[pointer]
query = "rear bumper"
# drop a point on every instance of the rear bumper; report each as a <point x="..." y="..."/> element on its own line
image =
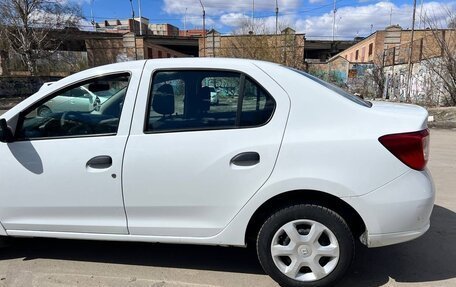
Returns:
<point x="398" y="211"/>
<point x="378" y="240"/>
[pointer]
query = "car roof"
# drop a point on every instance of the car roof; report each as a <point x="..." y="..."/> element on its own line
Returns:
<point x="189" y="61"/>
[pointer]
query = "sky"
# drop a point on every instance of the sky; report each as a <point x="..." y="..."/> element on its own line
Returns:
<point x="315" y="18"/>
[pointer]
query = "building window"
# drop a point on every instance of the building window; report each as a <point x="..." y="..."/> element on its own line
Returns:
<point x="150" y="53"/>
<point x="168" y="55"/>
<point x="371" y="48"/>
<point x="160" y="54"/>
<point x="356" y="55"/>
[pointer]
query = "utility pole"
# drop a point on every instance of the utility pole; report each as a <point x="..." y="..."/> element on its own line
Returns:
<point x="132" y="10"/>
<point x="391" y="15"/>
<point x="334" y="20"/>
<point x="185" y="22"/>
<point x="410" y="64"/>
<point x="253" y="15"/>
<point x="91" y="16"/>
<point x="134" y="28"/>
<point x="140" y="18"/>
<point x="204" y="28"/>
<point x="421" y="14"/>
<point x="277" y="17"/>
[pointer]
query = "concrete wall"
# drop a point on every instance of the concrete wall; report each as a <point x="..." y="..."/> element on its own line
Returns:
<point x="335" y="71"/>
<point x="59" y="64"/>
<point x="22" y="86"/>
<point x="127" y="48"/>
<point x="426" y="87"/>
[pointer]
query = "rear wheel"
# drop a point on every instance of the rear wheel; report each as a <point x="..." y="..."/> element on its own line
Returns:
<point x="305" y="245"/>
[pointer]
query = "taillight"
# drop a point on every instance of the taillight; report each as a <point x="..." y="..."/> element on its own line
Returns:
<point x="411" y="148"/>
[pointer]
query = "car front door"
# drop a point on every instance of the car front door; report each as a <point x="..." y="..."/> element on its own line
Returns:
<point x="62" y="172"/>
<point x="190" y="166"/>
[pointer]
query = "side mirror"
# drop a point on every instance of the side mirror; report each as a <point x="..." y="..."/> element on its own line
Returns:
<point x="6" y="135"/>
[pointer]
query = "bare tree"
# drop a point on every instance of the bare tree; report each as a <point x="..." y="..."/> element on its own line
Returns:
<point x="443" y="63"/>
<point x="258" y="42"/>
<point x="377" y="74"/>
<point x="452" y="22"/>
<point x="26" y="25"/>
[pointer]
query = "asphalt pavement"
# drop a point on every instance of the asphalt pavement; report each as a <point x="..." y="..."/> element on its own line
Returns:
<point x="427" y="261"/>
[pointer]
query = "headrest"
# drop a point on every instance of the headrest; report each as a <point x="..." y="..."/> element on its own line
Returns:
<point x="205" y="93"/>
<point x="163" y="100"/>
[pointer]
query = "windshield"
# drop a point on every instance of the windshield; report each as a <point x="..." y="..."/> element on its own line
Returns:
<point x="335" y="89"/>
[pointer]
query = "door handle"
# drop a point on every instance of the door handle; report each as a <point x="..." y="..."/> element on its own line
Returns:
<point x="246" y="159"/>
<point x="100" y="162"/>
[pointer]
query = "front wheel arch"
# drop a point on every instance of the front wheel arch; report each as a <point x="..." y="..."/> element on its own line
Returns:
<point x="286" y="199"/>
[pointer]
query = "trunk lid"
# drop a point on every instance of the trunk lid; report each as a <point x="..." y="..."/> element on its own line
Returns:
<point x="398" y="117"/>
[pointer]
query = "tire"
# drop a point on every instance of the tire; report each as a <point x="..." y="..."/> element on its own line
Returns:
<point x="313" y="246"/>
<point x="43" y="111"/>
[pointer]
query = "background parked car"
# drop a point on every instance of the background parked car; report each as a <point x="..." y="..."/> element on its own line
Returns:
<point x="78" y="99"/>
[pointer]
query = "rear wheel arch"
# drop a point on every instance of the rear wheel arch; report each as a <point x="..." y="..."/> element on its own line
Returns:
<point x="294" y="197"/>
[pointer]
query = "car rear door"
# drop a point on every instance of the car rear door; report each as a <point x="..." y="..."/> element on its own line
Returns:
<point x="189" y="166"/>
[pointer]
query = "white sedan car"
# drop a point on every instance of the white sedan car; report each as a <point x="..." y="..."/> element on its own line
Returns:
<point x="286" y="162"/>
<point x="78" y="99"/>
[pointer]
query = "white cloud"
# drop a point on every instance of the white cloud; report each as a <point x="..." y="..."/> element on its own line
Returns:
<point x="351" y="21"/>
<point x="221" y="13"/>
<point x="234" y="19"/>
<point x="316" y="1"/>
<point x="354" y="21"/>
<point x="219" y="7"/>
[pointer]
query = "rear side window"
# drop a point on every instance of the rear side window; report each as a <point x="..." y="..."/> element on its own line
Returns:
<point x="333" y="88"/>
<point x="186" y="100"/>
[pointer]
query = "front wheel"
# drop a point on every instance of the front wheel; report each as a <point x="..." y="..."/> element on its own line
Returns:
<point x="305" y="245"/>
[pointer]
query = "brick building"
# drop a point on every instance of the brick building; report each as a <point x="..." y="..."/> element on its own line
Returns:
<point x="163" y="30"/>
<point x="392" y="46"/>
<point x="124" y="26"/>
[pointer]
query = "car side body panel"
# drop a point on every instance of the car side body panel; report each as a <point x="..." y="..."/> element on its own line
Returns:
<point x="327" y="143"/>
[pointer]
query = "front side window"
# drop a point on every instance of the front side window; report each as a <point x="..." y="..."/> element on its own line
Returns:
<point x="198" y="100"/>
<point x="89" y="108"/>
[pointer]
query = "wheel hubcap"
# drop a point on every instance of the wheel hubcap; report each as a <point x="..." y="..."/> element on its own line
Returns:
<point x="305" y="250"/>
